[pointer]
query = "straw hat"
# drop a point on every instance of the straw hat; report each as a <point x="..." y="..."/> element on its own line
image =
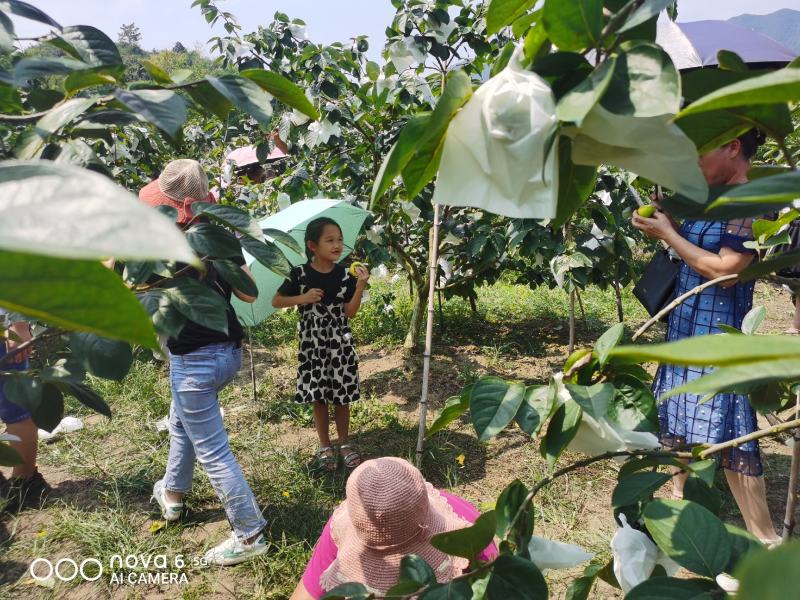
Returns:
<point x="390" y="511"/>
<point x="182" y="183"/>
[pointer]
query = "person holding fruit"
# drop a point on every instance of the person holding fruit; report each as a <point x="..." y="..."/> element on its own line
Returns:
<point x="711" y="249"/>
<point x="327" y="374"/>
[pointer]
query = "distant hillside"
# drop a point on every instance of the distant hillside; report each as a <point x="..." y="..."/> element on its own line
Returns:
<point x="782" y="26"/>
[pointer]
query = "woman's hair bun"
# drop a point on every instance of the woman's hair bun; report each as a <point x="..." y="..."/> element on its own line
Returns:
<point x="751" y="140"/>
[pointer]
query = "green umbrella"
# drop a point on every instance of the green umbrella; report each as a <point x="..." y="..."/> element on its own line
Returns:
<point x="293" y="220"/>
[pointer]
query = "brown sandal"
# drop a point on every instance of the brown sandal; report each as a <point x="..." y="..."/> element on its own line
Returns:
<point x="350" y="459"/>
<point x="326" y="458"/>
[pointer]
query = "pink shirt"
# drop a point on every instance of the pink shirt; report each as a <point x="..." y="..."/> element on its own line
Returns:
<point x="325" y="551"/>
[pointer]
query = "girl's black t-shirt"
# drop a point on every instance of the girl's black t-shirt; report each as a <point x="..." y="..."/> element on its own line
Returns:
<point x="337" y="286"/>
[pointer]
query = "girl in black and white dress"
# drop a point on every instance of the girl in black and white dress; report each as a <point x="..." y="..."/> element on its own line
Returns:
<point x="327" y="374"/>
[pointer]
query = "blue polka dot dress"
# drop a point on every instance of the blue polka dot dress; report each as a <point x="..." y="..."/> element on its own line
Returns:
<point x="683" y="418"/>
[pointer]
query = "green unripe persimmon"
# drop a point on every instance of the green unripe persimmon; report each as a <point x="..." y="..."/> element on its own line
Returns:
<point x="646" y="211"/>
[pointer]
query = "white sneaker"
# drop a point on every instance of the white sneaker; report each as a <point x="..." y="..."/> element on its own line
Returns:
<point x="728" y="583"/>
<point x="170" y="511"/>
<point x="233" y="552"/>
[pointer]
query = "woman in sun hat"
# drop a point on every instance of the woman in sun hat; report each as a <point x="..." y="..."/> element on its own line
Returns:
<point x="390" y="511"/>
<point x="203" y="361"/>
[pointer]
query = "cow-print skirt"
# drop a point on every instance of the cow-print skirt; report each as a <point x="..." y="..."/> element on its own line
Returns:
<point x="328" y="364"/>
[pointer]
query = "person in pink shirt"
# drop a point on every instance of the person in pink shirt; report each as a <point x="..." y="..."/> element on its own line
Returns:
<point x="390" y="511"/>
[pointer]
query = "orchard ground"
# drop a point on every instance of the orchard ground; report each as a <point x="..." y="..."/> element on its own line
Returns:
<point x="103" y="475"/>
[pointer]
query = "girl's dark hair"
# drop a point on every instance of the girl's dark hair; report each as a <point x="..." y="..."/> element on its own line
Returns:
<point x="314" y="232"/>
<point x="751" y="141"/>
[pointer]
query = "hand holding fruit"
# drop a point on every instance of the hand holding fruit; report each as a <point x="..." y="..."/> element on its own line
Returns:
<point x="360" y="271"/>
<point x="312" y="296"/>
<point x="652" y="222"/>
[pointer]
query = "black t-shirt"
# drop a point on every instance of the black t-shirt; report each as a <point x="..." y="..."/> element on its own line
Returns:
<point x="193" y="335"/>
<point x="337" y="286"/>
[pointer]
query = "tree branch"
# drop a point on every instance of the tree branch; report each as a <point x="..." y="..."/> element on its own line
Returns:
<point x="679" y="300"/>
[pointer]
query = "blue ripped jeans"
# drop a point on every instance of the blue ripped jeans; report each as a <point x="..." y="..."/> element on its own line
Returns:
<point x="197" y="431"/>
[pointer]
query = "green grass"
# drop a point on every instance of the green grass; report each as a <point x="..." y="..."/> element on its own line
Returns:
<point x="107" y="469"/>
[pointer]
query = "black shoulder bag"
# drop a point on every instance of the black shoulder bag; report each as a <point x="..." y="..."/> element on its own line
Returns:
<point x="656" y="287"/>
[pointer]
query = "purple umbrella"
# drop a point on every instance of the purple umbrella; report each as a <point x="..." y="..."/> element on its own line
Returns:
<point x="695" y="44"/>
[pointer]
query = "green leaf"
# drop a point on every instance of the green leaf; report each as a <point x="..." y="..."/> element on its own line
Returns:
<point x="535" y="408"/>
<point x="637" y="487"/>
<point x="770" y="575"/>
<point x="467" y="542"/>
<point x="415" y="569"/>
<point x="772" y="88"/>
<point x="246" y="95"/>
<point x="606" y="342"/>
<point x="209" y="99"/>
<point x="400" y="154"/>
<point x="581" y="587"/>
<point x="49" y="413"/>
<point x="778" y="189"/>
<point x="80" y="80"/>
<point x="560" y="431"/>
<point x="698" y="491"/>
<point x="649" y="9"/>
<point x="110" y="359"/>
<point x="454" y="407"/>
<point x="236" y="278"/>
<point x="269" y="255"/>
<point x="233" y="217"/>
<point x="158" y="74"/>
<point x="633" y="406"/>
<point x="730" y="61"/>
<point x="493" y="404"/>
<point x="53" y="121"/>
<point x="6" y="34"/>
<point x="348" y="591"/>
<point x="743" y="543"/>
<point x="423" y="162"/>
<point x="373" y="70"/>
<point x="727" y="378"/>
<point x="74" y="294"/>
<point x="574" y="25"/>
<point x="645" y="83"/>
<point x="199" y="303"/>
<point x="575" y="183"/>
<point x="456" y="590"/>
<point x="163" y="108"/>
<point x="753" y="320"/>
<point x="633" y="465"/>
<point x="594" y="400"/>
<point x="514" y="577"/>
<point x="42" y="66"/>
<point x="45" y="208"/>
<point x="284" y="238"/>
<point x="28" y="11"/>
<point x="577" y="103"/>
<point x="24" y="391"/>
<point x="166" y="318"/>
<point x="714" y="350"/>
<point x="771" y="264"/>
<point x="509" y="502"/>
<point x="689" y="534"/>
<point x="88" y="44"/>
<point x="211" y="240"/>
<point x="672" y="588"/>
<point x="63" y="370"/>
<point x="503" y="12"/>
<point x="706" y="470"/>
<point x="86" y="396"/>
<point x="9" y="457"/>
<point x="283" y="89"/>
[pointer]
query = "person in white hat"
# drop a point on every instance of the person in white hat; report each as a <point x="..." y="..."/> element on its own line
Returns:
<point x="202" y="362"/>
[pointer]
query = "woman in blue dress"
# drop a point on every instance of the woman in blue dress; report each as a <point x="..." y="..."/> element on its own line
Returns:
<point x="710" y="249"/>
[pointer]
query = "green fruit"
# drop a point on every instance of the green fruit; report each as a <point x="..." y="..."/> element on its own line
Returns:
<point x="646" y="211"/>
<point x="354" y="266"/>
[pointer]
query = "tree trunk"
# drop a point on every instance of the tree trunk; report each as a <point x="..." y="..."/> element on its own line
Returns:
<point x="571" y="323"/>
<point x="420" y="299"/>
<point x="618" y="296"/>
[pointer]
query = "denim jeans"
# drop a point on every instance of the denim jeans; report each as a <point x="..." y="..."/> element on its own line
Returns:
<point x="197" y="431"/>
<point x="10" y="413"/>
